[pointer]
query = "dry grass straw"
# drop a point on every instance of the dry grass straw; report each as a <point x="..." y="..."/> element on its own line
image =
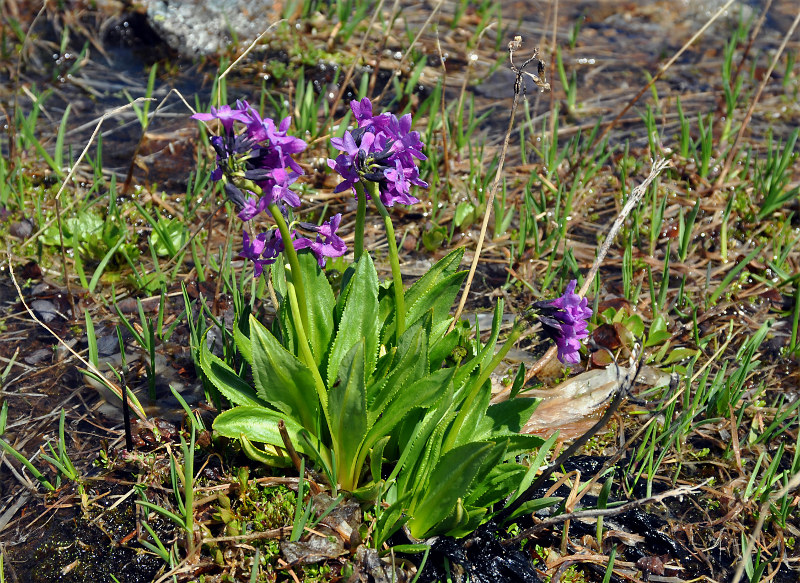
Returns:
<point x="519" y="87"/>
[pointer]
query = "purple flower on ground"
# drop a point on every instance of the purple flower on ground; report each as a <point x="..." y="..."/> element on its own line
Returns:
<point x="565" y="321"/>
<point x="327" y="243"/>
<point x="384" y="150"/>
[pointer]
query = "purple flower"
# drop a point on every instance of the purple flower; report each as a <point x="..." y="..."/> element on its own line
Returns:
<point x="252" y="250"/>
<point x="259" y="157"/>
<point x="382" y="149"/>
<point x="327" y="243"/>
<point x="253" y="206"/>
<point x="565" y="321"/>
<point x="226" y="115"/>
<point x="363" y="111"/>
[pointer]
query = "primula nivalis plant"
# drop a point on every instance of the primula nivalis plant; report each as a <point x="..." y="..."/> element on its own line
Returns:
<point x="387" y="403"/>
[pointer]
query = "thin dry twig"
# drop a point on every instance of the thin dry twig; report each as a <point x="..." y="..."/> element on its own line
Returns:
<point x="598" y="512"/>
<point x="519" y="87"/>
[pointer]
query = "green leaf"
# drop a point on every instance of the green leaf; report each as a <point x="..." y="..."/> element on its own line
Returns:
<point x="376" y="458"/>
<point x="229" y="384"/>
<point x="679" y="354"/>
<point x="260" y="424"/>
<point x="359" y="320"/>
<point x="102" y="265"/>
<point x="443" y="348"/>
<point x="436" y="290"/>
<point x="449" y="482"/>
<point x="473" y="417"/>
<point x="473" y="518"/>
<point x="320" y="309"/>
<point x="467" y="371"/>
<point x="278" y="273"/>
<point x="455" y="520"/>
<point x="432" y="238"/>
<point x="465" y="214"/>
<point x="421" y="394"/>
<point x="271" y="456"/>
<point x="411" y="365"/>
<point x="492" y="474"/>
<point x="443" y="268"/>
<point x="347" y="405"/>
<point x="168" y="236"/>
<point x="410" y="549"/>
<point x="519" y="382"/>
<point x="368" y="492"/>
<point x="430" y="454"/>
<point x="658" y="332"/>
<point x="534" y="466"/>
<point x="389" y="522"/>
<point x="506" y="417"/>
<point x="282" y="379"/>
<point x="519" y="444"/>
<point x="438" y="299"/>
<point x="495" y="484"/>
<point x="425" y="436"/>
<point x="241" y="335"/>
<point x="531" y="506"/>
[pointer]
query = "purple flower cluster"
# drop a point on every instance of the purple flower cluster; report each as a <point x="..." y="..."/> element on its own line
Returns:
<point x="257" y="169"/>
<point x="259" y="159"/>
<point x="265" y="248"/>
<point x="565" y="320"/>
<point x="381" y="149"/>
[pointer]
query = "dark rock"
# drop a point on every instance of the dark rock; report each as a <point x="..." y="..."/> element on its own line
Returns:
<point x="21" y="229"/>
<point x="45" y="309"/>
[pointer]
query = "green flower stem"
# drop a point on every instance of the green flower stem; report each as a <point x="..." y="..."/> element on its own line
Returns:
<point x="516" y="332"/>
<point x="305" y="348"/>
<point x="361" y="213"/>
<point x="394" y="260"/>
<point x="322" y="393"/>
<point x="291" y="255"/>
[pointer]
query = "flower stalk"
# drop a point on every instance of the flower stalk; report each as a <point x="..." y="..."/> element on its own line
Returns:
<point x="294" y="262"/>
<point x="394" y="260"/>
